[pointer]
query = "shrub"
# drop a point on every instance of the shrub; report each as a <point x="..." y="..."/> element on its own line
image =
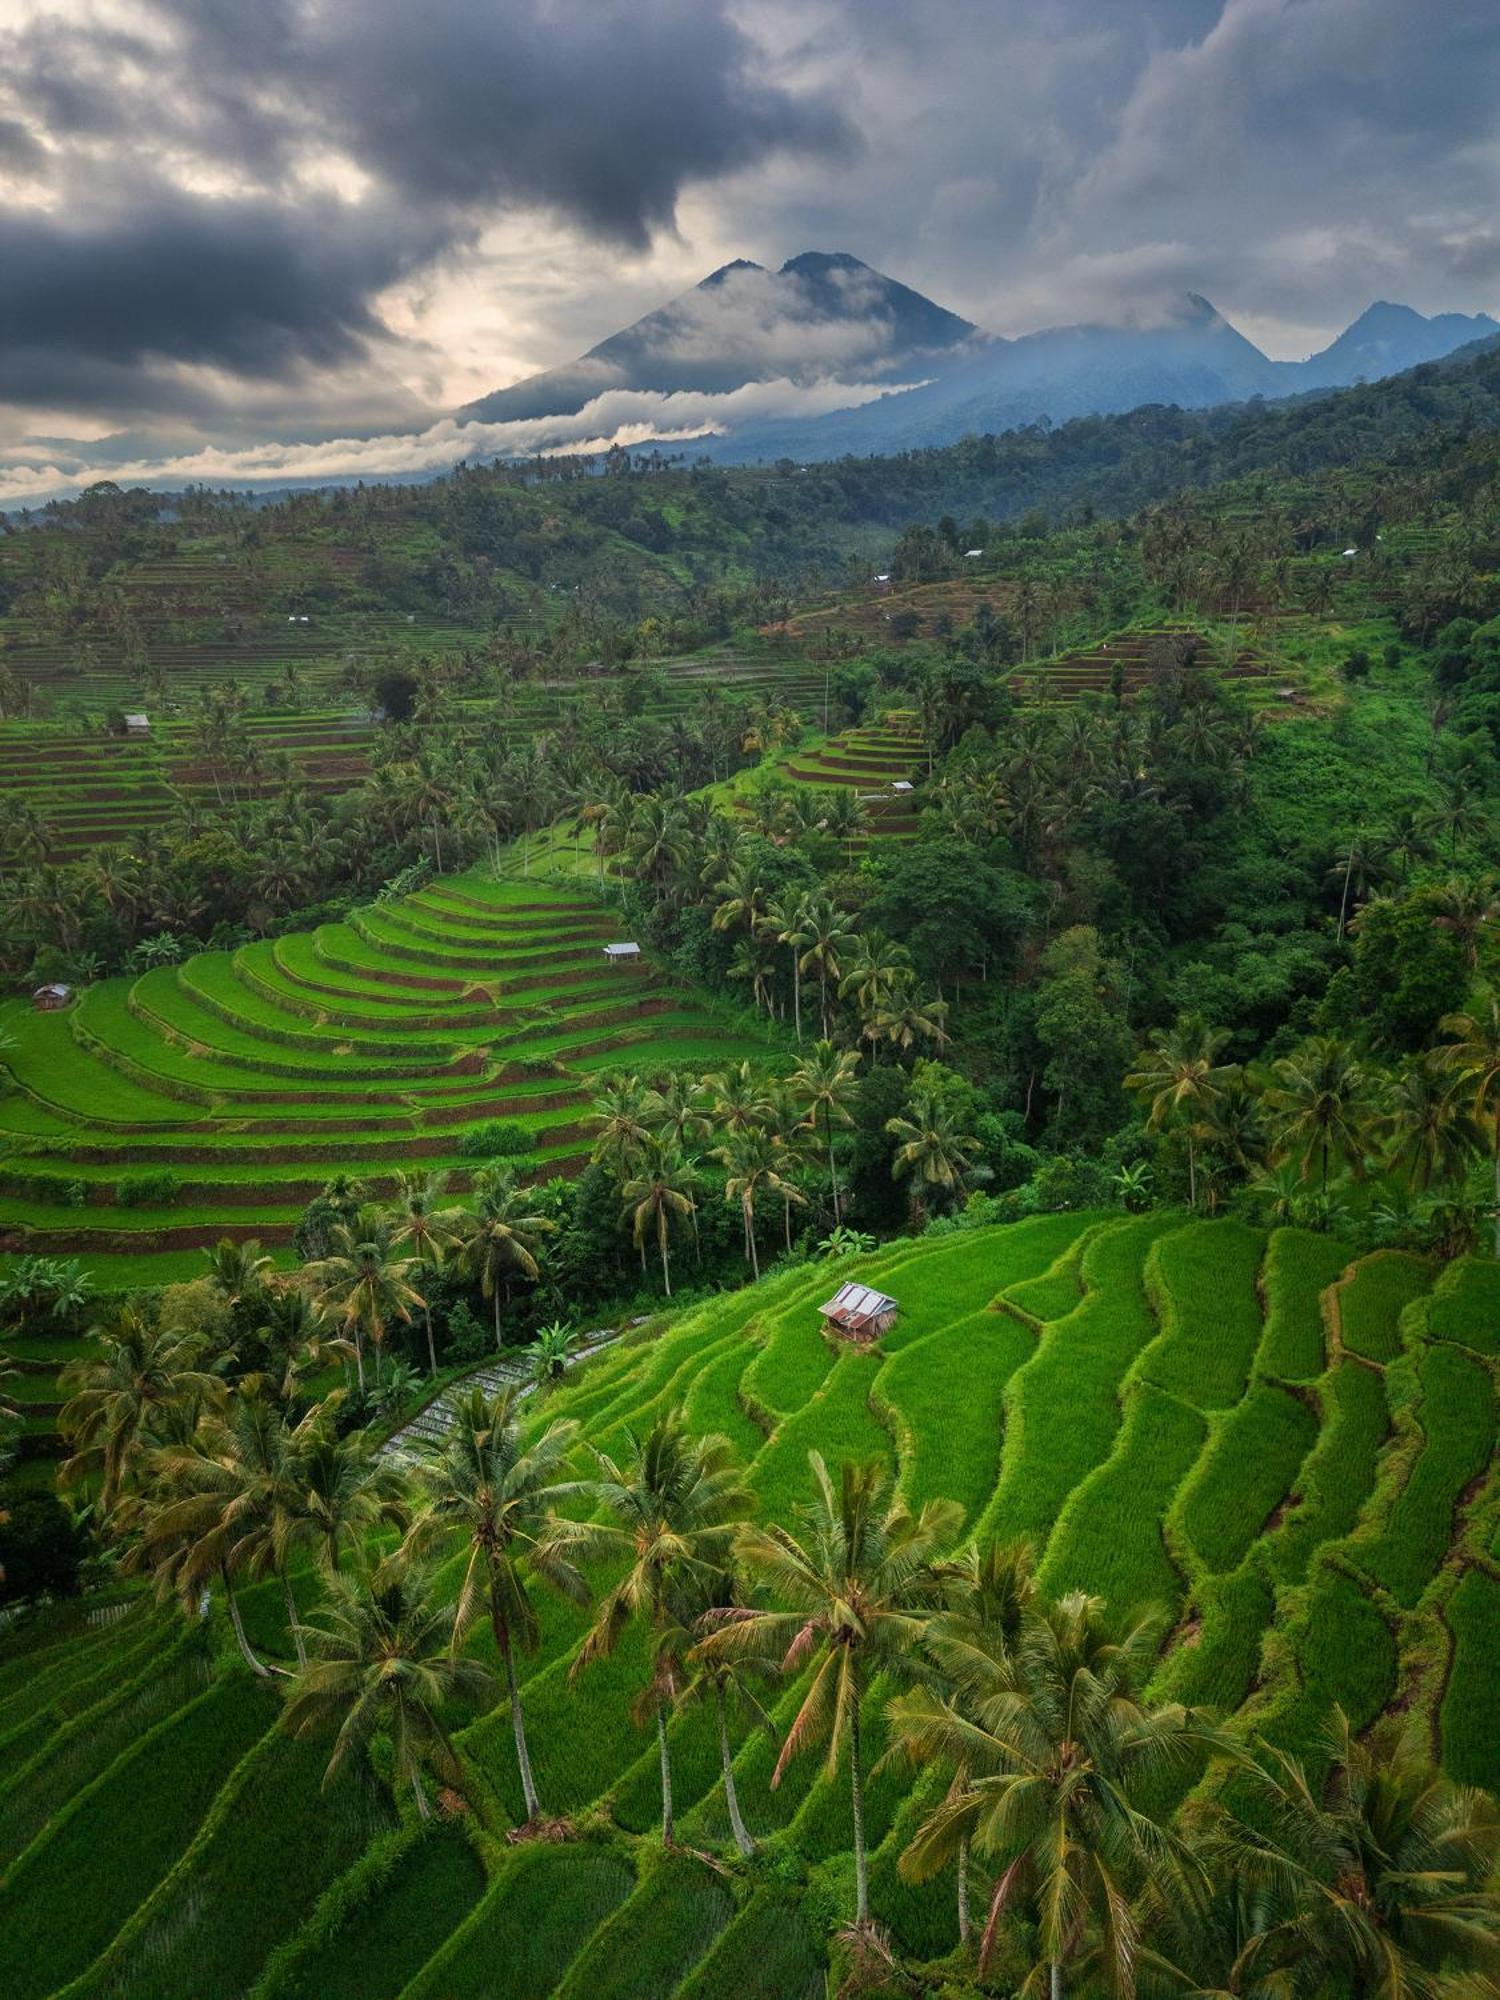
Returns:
<point x="41" y="1549"/>
<point x="153" y="1190"/>
<point x="495" y="1139"/>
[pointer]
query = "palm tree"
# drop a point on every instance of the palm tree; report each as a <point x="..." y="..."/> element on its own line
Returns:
<point x="622" y="1117"/>
<point x="876" y="976"/>
<point x="753" y="1162"/>
<point x="117" y="1400"/>
<point x="1426" y="1127"/>
<point x="661" y="1188"/>
<point x="671" y="1509"/>
<point x="1319" y="1103"/>
<point x="384" y="1663"/>
<point x="1470" y="910"/>
<point x="824" y="1082"/>
<point x="482" y="1485"/>
<point x="332" y="1491"/>
<point x="236" y="1270"/>
<point x="852" y="1595"/>
<point x="1058" y="1760"/>
<point x="828" y="937"/>
<point x="428" y="1227"/>
<point x="740" y="1098"/>
<point x="988" y="1590"/>
<point x="932" y="1149"/>
<point x="1179" y="1076"/>
<point x="676" y="1112"/>
<point x="726" y="1681"/>
<point x="786" y="922"/>
<point x="742" y="901"/>
<point x="363" y="1286"/>
<point x="504" y="1236"/>
<point x="1379" y="1881"/>
<point x="1473" y="1055"/>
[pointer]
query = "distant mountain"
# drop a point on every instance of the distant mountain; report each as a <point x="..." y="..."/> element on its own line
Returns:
<point x="830" y="321"/>
<point x="1387" y="338"/>
<point x="820" y="316"/>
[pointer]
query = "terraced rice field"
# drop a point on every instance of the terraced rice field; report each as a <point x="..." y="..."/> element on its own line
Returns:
<point x="870" y="761"/>
<point x="90" y="789"/>
<point x="1118" y="1389"/>
<point x="364" y="1047"/>
<point x="1128" y="655"/>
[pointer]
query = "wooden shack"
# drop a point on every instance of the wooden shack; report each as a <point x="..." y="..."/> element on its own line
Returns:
<point x="48" y="999"/>
<point x="859" y="1313"/>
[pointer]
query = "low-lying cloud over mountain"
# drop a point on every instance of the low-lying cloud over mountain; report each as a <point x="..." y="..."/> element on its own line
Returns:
<point x="303" y="220"/>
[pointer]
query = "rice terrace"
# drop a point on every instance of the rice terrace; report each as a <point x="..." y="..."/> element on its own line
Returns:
<point x="749" y="1093"/>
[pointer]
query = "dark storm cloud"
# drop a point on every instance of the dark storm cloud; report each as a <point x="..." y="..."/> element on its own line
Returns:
<point x="450" y="113"/>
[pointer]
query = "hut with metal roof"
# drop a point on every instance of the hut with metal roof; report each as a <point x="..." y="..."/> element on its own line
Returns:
<point x="859" y="1312"/>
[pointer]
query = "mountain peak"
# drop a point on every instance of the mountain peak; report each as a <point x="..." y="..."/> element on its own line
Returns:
<point x="813" y="263"/>
<point x="728" y="270"/>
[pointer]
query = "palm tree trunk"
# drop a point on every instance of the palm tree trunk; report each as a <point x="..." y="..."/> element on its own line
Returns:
<point x="737" y="1827"/>
<point x="668" y="1823"/>
<point x="1054" y="1981"/>
<point x="1497" y="1185"/>
<point x="750" y="1238"/>
<point x="431" y="1349"/>
<point x="497" y="1315"/>
<point x="359" y="1357"/>
<point x="857" y="1798"/>
<point x="424" y="1811"/>
<point x="833" y="1172"/>
<point x="963" y="1890"/>
<point x="292" y="1619"/>
<point x="666" y="1266"/>
<point x="256" y="1666"/>
<point x="1192" y="1174"/>
<point x="517" y="1722"/>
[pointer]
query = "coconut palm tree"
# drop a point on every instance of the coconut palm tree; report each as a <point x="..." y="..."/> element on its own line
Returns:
<point x="676" y="1112"/>
<point x="786" y="923"/>
<point x="383" y="1663"/>
<point x="1379" y="1880"/>
<point x="740" y="1099"/>
<point x="1058" y="1759"/>
<point x="932" y="1150"/>
<point x="670" y="1508"/>
<point x="824" y="1083"/>
<point x="661" y="1189"/>
<point x="876" y="975"/>
<point x="1179" y="1077"/>
<point x="1425" y="1127"/>
<point x="698" y="1603"/>
<point x="988" y="1590"/>
<point x="622" y="1116"/>
<point x="422" y="1221"/>
<point x="332" y="1492"/>
<point x="1318" y="1101"/>
<point x="1473" y="1057"/>
<point x="236" y="1270"/>
<point x="362" y="1286"/>
<point x="828" y="938"/>
<point x="754" y="1163"/>
<point x="1470" y="910"/>
<point x="117" y="1400"/>
<point x="483" y="1486"/>
<point x="505" y="1235"/>
<point x="852" y="1595"/>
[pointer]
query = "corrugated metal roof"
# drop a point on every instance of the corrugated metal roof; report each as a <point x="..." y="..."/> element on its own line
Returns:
<point x="860" y="1300"/>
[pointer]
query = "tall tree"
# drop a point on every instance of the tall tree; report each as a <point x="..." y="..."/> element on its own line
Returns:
<point x="483" y="1486"/>
<point x="363" y="1286"/>
<point x="1473" y="1055"/>
<point x="117" y="1399"/>
<point x="1319" y="1103"/>
<point x="824" y="1083"/>
<point x="851" y="1595"/>
<point x="1060" y="1760"/>
<point x="505" y="1235"/>
<point x="669" y="1509"/>
<point x="660" y="1191"/>
<point x="383" y="1662"/>
<point x="1181" y="1080"/>
<point x="932" y="1150"/>
<point x="430" y="1228"/>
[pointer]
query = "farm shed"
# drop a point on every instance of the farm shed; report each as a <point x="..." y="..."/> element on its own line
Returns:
<point x="621" y="954"/>
<point x="137" y="724"/>
<point x="859" y="1312"/>
<point x="47" y="999"/>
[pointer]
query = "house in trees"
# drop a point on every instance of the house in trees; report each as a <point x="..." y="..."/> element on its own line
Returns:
<point x="858" y="1312"/>
<point x="48" y="999"/>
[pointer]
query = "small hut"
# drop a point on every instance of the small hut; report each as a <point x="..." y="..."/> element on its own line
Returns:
<point x="137" y="724"/>
<point x="859" y="1312"/>
<point x="622" y="954"/>
<point x="48" y="999"/>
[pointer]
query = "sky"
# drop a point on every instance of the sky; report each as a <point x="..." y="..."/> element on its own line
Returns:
<point x="291" y="237"/>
